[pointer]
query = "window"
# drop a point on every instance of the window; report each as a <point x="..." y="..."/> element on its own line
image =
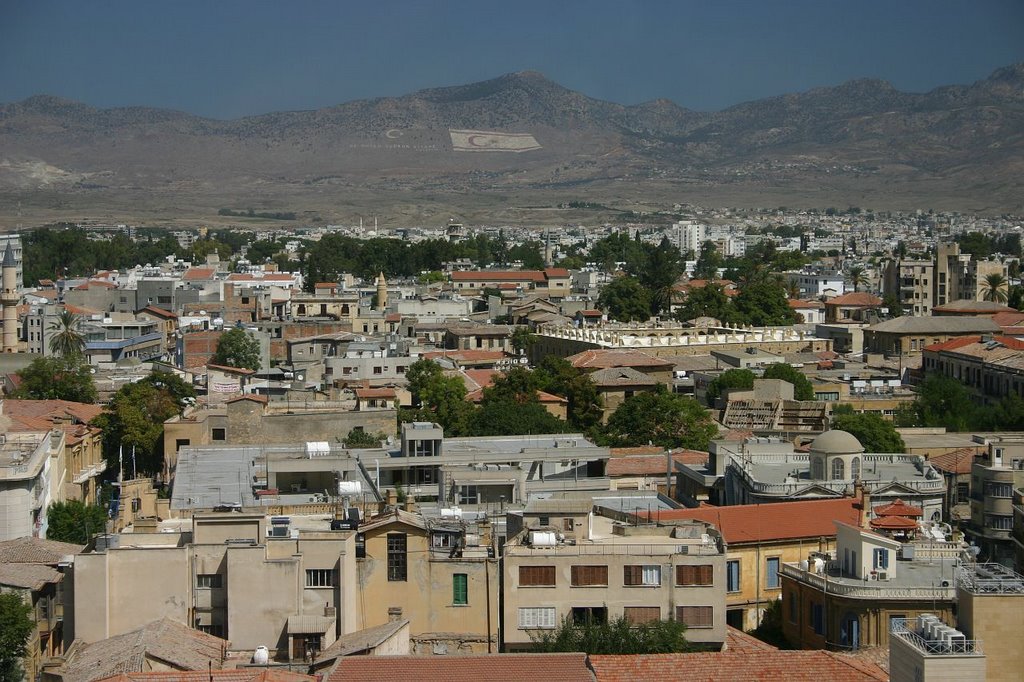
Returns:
<point x="397" y="560"/>
<point x="460" y="589"/>
<point x="881" y="559"/>
<point x="319" y="577"/>
<point x="638" y="615"/>
<point x="567" y="525"/>
<point x="695" y="575"/>
<point x="209" y="580"/>
<point x="855" y="468"/>
<point x="817" y="469"/>
<point x="999" y="522"/>
<point x="589" y="576"/>
<point x="696" y="616"/>
<point x="635" y="576"/>
<point x="818" y="618"/>
<point x="582" y="615"/>
<point x="536" y="576"/>
<point x="732" y="576"/>
<point x="179" y="443"/>
<point x="537" y="617"/>
<point x="219" y="434"/>
<point x="771" y="578"/>
<point x="838" y="469"/>
<point x="963" y="493"/>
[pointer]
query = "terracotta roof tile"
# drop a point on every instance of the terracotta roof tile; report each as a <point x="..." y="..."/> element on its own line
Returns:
<point x="237" y="675"/>
<point x="746" y="665"/>
<point x="651" y="465"/>
<point x="36" y="551"/>
<point x="505" y="667"/>
<point x="955" y="461"/>
<point x="765" y="522"/>
<point x="860" y="298"/>
<point x="602" y="359"/>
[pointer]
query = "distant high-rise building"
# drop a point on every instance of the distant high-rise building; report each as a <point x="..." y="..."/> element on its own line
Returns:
<point x="690" y="236"/>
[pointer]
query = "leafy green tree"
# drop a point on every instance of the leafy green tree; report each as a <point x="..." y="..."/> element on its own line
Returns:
<point x="873" y="432"/>
<point x="74" y="521"/>
<point x="659" y="273"/>
<point x="660" y="418"/>
<point x="510" y="407"/>
<point x="770" y="629"/>
<point x="67" y="339"/>
<point x="706" y="301"/>
<point x="57" y="378"/>
<point x="729" y="379"/>
<point x="16" y="625"/>
<point x="892" y="302"/>
<point x="942" y="401"/>
<point x="236" y="348"/>
<point x="763" y="304"/>
<point x="802" y="389"/>
<point x="708" y="262"/>
<point x="557" y="376"/>
<point x="617" y="637"/>
<point x="358" y="438"/>
<point x="523" y="339"/>
<point x="995" y="287"/>
<point x="135" y="416"/>
<point x="625" y="300"/>
<point x="440" y="399"/>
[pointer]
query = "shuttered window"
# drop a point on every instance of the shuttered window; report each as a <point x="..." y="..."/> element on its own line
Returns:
<point x="695" y="575"/>
<point x="696" y="616"/>
<point x="537" y="617"/>
<point x="589" y="576"/>
<point x="638" y="615"/>
<point x="641" y="575"/>
<point x="460" y="589"/>
<point x="536" y="576"/>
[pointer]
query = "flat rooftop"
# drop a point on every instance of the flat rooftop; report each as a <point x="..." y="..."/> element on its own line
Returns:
<point x="796" y="467"/>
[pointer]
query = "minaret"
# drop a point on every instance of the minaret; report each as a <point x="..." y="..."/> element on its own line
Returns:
<point x="382" y="292"/>
<point x="548" y="257"/>
<point x="9" y="300"/>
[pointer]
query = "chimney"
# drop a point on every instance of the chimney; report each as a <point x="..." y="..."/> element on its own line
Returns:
<point x="394" y="614"/>
<point x="863" y="502"/>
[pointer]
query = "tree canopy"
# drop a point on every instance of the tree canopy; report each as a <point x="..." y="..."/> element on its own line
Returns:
<point x="802" y="389"/>
<point x="557" y="376"/>
<point x="16" y="624"/>
<point x="134" y="418"/>
<point x="730" y="378"/>
<point x="57" y="378"/>
<point x="236" y="348"/>
<point x="625" y="299"/>
<point x="67" y="340"/>
<point x="74" y="521"/>
<point x="510" y="406"/>
<point x="618" y="636"/>
<point x="660" y="418"/>
<point x="874" y="433"/>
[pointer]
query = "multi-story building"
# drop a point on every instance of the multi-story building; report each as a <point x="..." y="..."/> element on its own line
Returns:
<point x="913" y="283"/>
<point x="925" y="648"/>
<point x="553" y="283"/>
<point x="911" y="335"/>
<point x="994" y="475"/>
<point x="990" y="610"/>
<point x="990" y="365"/>
<point x="847" y="599"/>
<point x="32" y="476"/>
<point x="759" y="539"/>
<point x="433" y="573"/>
<point x="607" y="570"/>
<point x="817" y="284"/>
<point x="959" y="276"/>
<point x="688" y="235"/>
<point x="230" y="574"/>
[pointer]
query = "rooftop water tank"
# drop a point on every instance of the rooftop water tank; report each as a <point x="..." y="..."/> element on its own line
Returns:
<point x="350" y="488"/>
<point x="540" y="538"/>
<point x="261" y="656"/>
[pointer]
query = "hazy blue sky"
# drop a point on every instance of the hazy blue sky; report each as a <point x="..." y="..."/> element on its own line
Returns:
<point x="225" y="58"/>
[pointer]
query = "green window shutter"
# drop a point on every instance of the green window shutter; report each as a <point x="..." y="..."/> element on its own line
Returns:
<point x="460" y="589"/>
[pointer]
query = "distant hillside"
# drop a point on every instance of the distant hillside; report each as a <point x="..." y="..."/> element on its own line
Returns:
<point x="862" y="142"/>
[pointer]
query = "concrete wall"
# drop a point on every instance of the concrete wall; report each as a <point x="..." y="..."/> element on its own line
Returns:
<point x="997" y="620"/>
<point x="261" y="595"/>
<point x="908" y="664"/>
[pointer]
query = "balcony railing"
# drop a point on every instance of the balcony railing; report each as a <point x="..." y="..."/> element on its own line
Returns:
<point x="935" y="647"/>
<point x="848" y="587"/>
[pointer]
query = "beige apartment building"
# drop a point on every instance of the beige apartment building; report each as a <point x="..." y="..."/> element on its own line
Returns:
<point x="433" y="573"/>
<point x="292" y="589"/>
<point x="995" y="473"/>
<point x="604" y="569"/>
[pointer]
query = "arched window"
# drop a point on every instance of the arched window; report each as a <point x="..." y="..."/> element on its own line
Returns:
<point x="302" y="310"/>
<point x="855" y="468"/>
<point x="344" y="309"/>
<point x="817" y="468"/>
<point x="838" y="469"/>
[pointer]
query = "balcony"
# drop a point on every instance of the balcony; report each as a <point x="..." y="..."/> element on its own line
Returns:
<point x="831" y="581"/>
<point x="901" y="627"/>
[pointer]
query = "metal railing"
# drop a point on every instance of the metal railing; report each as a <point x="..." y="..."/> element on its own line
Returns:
<point x="989" y="578"/>
<point x="847" y="587"/>
<point x="903" y="628"/>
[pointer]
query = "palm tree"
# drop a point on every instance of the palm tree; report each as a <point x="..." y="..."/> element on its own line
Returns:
<point x="995" y="288"/>
<point x="858" y="277"/>
<point x="67" y="340"/>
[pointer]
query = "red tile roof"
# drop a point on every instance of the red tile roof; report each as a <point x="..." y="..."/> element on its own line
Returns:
<point x="893" y="523"/>
<point x="196" y="274"/>
<point x="375" y="393"/>
<point x="898" y="508"/>
<point x="231" y="370"/>
<point x="504" y="667"/>
<point x="236" y="675"/>
<point x="737" y="640"/>
<point x="962" y="341"/>
<point x="745" y="666"/>
<point x="498" y="275"/>
<point x="859" y="298"/>
<point x="954" y="462"/>
<point x="467" y="355"/>
<point x="254" y="397"/>
<point x="556" y="272"/>
<point x="767" y="522"/>
<point x="602" y="359"/>
<point x="651" y="465"/>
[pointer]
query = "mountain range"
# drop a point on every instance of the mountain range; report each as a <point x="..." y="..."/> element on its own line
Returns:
<point x="518" y="146"/>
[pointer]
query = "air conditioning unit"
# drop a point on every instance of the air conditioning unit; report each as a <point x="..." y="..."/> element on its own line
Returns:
<point x="882" y="575"/>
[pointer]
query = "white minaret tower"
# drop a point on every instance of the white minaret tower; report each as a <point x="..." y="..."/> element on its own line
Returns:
<point x="9" y="300"/>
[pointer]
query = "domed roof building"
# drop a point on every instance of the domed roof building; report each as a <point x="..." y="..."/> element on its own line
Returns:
<point x="836" y="456"/>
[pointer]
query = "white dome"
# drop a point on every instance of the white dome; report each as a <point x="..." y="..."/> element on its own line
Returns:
<point x="836" y="442"/>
